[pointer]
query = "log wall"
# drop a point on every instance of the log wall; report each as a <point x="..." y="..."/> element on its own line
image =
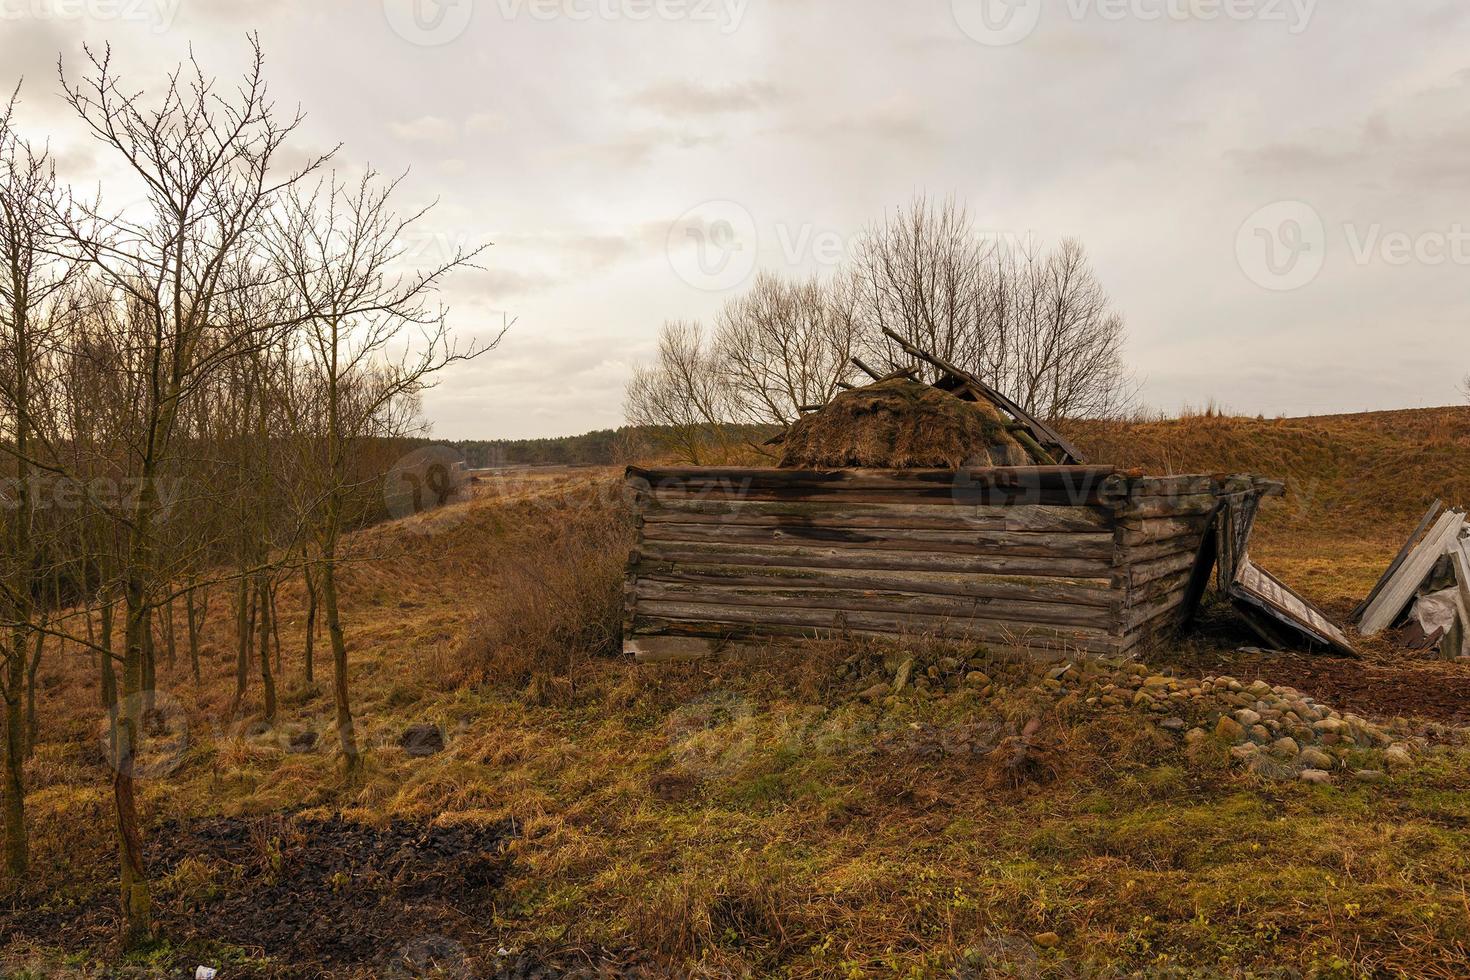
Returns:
<point x="1052" y="559"/>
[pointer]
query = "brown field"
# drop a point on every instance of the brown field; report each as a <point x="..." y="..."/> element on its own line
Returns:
<point x="759" y="819"/>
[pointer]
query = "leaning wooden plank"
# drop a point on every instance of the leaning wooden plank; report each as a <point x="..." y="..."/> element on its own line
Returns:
<point x="1399" y="559"/>
<point x="1082" y="592"/>
<point x="1259" y="593"/>
<point x="900" y="539"/>
<point x="1395" y="597"/>
<point x="1050" y="613"/>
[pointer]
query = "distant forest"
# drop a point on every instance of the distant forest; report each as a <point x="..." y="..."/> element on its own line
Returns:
<point x="602" y="447"/>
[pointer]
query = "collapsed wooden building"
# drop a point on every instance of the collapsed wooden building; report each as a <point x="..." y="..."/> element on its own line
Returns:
<point x="1020" y="545"/>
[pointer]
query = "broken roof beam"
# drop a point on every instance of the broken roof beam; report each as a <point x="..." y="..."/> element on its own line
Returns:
<point x="1040" y="431"/>
<point x="863" y="367"/>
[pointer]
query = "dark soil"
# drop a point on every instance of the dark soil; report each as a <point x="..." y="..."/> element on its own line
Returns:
<point x="306" y="897"/>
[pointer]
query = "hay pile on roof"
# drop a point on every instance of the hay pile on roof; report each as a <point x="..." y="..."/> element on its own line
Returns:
<point x="901" y="424"/>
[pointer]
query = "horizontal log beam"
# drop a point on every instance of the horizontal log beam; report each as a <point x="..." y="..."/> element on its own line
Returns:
<point x="936" y="516"/>
<point x="917" y="561"/>
<point x="651" y="592"/>
<point x="1083" y="592"/>
<point x="1039" y="545"/>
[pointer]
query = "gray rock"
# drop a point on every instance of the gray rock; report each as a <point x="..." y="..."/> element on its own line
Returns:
<point x="1398" y="756"/>
<point x="1229" y="729"/>
<point x="1370" y="776"/>
<point x="1316" y="777"/>
<point x="1247" y="717"/>
<point x="1173" y="724"/>
<point x="1286" y="748"/>
<point x="1313" y="758"/>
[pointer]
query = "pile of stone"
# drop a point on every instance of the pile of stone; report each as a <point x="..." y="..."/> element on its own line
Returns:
<point x="1276" y="731"/>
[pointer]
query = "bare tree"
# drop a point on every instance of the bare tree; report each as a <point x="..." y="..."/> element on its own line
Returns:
<point x="786" y="345"/>
<point x="31" y="280"/>
<point x="1036" y="325"/>
<point x="684" y="399"/>
<point x="920" y="273"/>
<point x="206" y="157"/>
<point x="338" y="247"/>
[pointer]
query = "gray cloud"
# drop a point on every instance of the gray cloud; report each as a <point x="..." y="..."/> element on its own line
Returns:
<point x="679" y="98"/>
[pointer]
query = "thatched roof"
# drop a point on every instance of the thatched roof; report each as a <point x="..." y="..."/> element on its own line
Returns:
<point x="902" y="424"/>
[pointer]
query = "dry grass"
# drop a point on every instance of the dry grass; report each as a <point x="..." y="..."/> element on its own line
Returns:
<point x="900" y="424"/>
<point x="754" y="818"/>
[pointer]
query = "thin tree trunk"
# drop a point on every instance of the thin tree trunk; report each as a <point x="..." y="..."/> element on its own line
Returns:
<point x="276" y="626"/>
<point x="192" y="614"/>
<point x="243" y="618"/>
<point x="150" y="662"/>
<point x="311" y="604"/>
<point x="108" y="676"/>
<point x="33" y="723"/>
<point x="137" y="902"/>
<point x="170" y="642"/>
<point x="351" y="758"/>
<point x="16" y="843"/>
<point x="267" y="680"/>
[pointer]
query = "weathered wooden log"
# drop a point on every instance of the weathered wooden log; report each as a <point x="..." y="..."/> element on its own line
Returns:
<point x="1083" y="592"/>
<point x="651" y="593"/>
<point x="1133" y="576"/>
<point x="918" y="561"/>
<point x="940" y="516"/>
<point x="707" y="620"/>
<point x="895" y="539"/>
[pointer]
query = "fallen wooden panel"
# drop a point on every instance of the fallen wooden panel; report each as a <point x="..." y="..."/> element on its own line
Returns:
<point x="1395" y="597"/>
<point x="1257" y="592"/>
<point x="1399" y="560"/>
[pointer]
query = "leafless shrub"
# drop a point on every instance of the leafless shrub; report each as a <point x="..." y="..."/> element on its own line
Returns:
<point x="557" y="601"/>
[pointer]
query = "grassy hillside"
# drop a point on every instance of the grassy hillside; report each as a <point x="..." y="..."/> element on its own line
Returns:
<point x="1357" y="484"/>
<point x="773" y="818"/>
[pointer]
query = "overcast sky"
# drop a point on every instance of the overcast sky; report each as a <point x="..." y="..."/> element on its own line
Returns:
<point x="1276" y="193"/>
